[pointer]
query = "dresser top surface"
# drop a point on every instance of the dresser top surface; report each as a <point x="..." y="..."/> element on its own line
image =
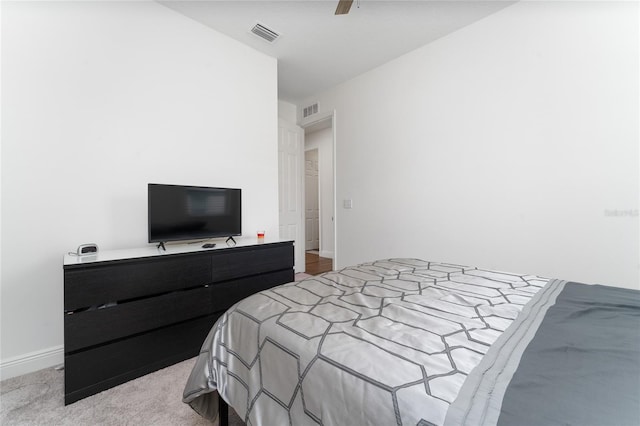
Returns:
<point x="172" y="248"/>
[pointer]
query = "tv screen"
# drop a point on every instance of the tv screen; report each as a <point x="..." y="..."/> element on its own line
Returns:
<point x="179" y="212"/>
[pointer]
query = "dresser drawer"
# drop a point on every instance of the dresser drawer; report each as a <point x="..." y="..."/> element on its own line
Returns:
<point x="94" y="370"/>
<point x="228" y="293"/>
<point x="89" y="328"/>
<point x="119" y="281"/>
<point x="251" y="262"/>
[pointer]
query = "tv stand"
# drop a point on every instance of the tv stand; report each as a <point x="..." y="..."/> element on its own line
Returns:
<point x="161" y="246"/>
<point x="130" y="312"/>
<point x="231" y="238"/>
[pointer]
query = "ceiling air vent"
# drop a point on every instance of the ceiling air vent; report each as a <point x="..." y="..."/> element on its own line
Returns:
<point x="311" y="109"/>
<point x="265" y="33"/>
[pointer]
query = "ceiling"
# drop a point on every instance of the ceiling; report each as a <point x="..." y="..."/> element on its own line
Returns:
<point x="317" y="50"/>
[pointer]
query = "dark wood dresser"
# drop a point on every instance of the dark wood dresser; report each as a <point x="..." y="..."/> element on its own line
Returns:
<point x="128" y="313"/>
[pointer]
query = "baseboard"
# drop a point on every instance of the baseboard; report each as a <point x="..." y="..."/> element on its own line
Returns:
<point x="326" y="253"/>
<point x="31" y="362"/>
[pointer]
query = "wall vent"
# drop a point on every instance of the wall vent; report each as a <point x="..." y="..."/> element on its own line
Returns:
<point x="265" y="33"/>
<point x="311" y="109"/>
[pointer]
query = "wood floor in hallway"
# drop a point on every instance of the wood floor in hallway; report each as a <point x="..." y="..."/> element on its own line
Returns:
<point x="316" y="264"/>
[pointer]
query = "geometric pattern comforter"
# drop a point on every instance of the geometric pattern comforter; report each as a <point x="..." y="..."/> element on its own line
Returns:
<point x="385" y="342"/>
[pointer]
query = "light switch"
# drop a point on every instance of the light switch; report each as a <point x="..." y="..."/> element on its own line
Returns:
<point x="347" y="204"/>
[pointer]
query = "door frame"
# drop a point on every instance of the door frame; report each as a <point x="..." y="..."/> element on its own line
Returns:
<point x="316" y="119"/>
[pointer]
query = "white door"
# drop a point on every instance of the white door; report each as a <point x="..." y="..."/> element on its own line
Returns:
<point x="312" y="204"/>
<point x="290" y="187"/>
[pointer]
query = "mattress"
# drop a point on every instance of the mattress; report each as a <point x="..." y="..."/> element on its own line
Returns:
<point x="407" y="341"/>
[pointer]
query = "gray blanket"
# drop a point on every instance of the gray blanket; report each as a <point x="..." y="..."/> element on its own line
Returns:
<point x="571" y="358"/>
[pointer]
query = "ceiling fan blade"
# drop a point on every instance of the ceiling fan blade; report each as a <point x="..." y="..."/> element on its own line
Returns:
<point x="343" y="7"/>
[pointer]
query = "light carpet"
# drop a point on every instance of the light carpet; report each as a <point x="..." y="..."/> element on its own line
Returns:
<point x="302" y="276"/>
<point x="155" y="399"/>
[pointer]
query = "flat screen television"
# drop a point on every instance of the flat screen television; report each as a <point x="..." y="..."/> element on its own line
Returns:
<point x="178" y="212"/>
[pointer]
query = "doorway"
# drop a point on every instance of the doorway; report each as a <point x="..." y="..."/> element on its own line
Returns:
<point x="312" y="201"/>
<point x="319" y="196"/>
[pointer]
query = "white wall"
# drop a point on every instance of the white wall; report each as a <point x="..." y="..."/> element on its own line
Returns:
<point x="503" y="145"/>
<point x="322" y="140"/>
<point x="287" y="111"/>
<point x="99" y="99"/>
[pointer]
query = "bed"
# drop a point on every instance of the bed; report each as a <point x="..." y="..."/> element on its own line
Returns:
<point x="411" y="342"/>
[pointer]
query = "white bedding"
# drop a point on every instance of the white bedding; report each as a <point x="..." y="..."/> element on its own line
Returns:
<point x="386" y="342"/>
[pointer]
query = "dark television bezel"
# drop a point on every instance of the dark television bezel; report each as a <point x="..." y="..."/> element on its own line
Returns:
<point x="220" y="235"/>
